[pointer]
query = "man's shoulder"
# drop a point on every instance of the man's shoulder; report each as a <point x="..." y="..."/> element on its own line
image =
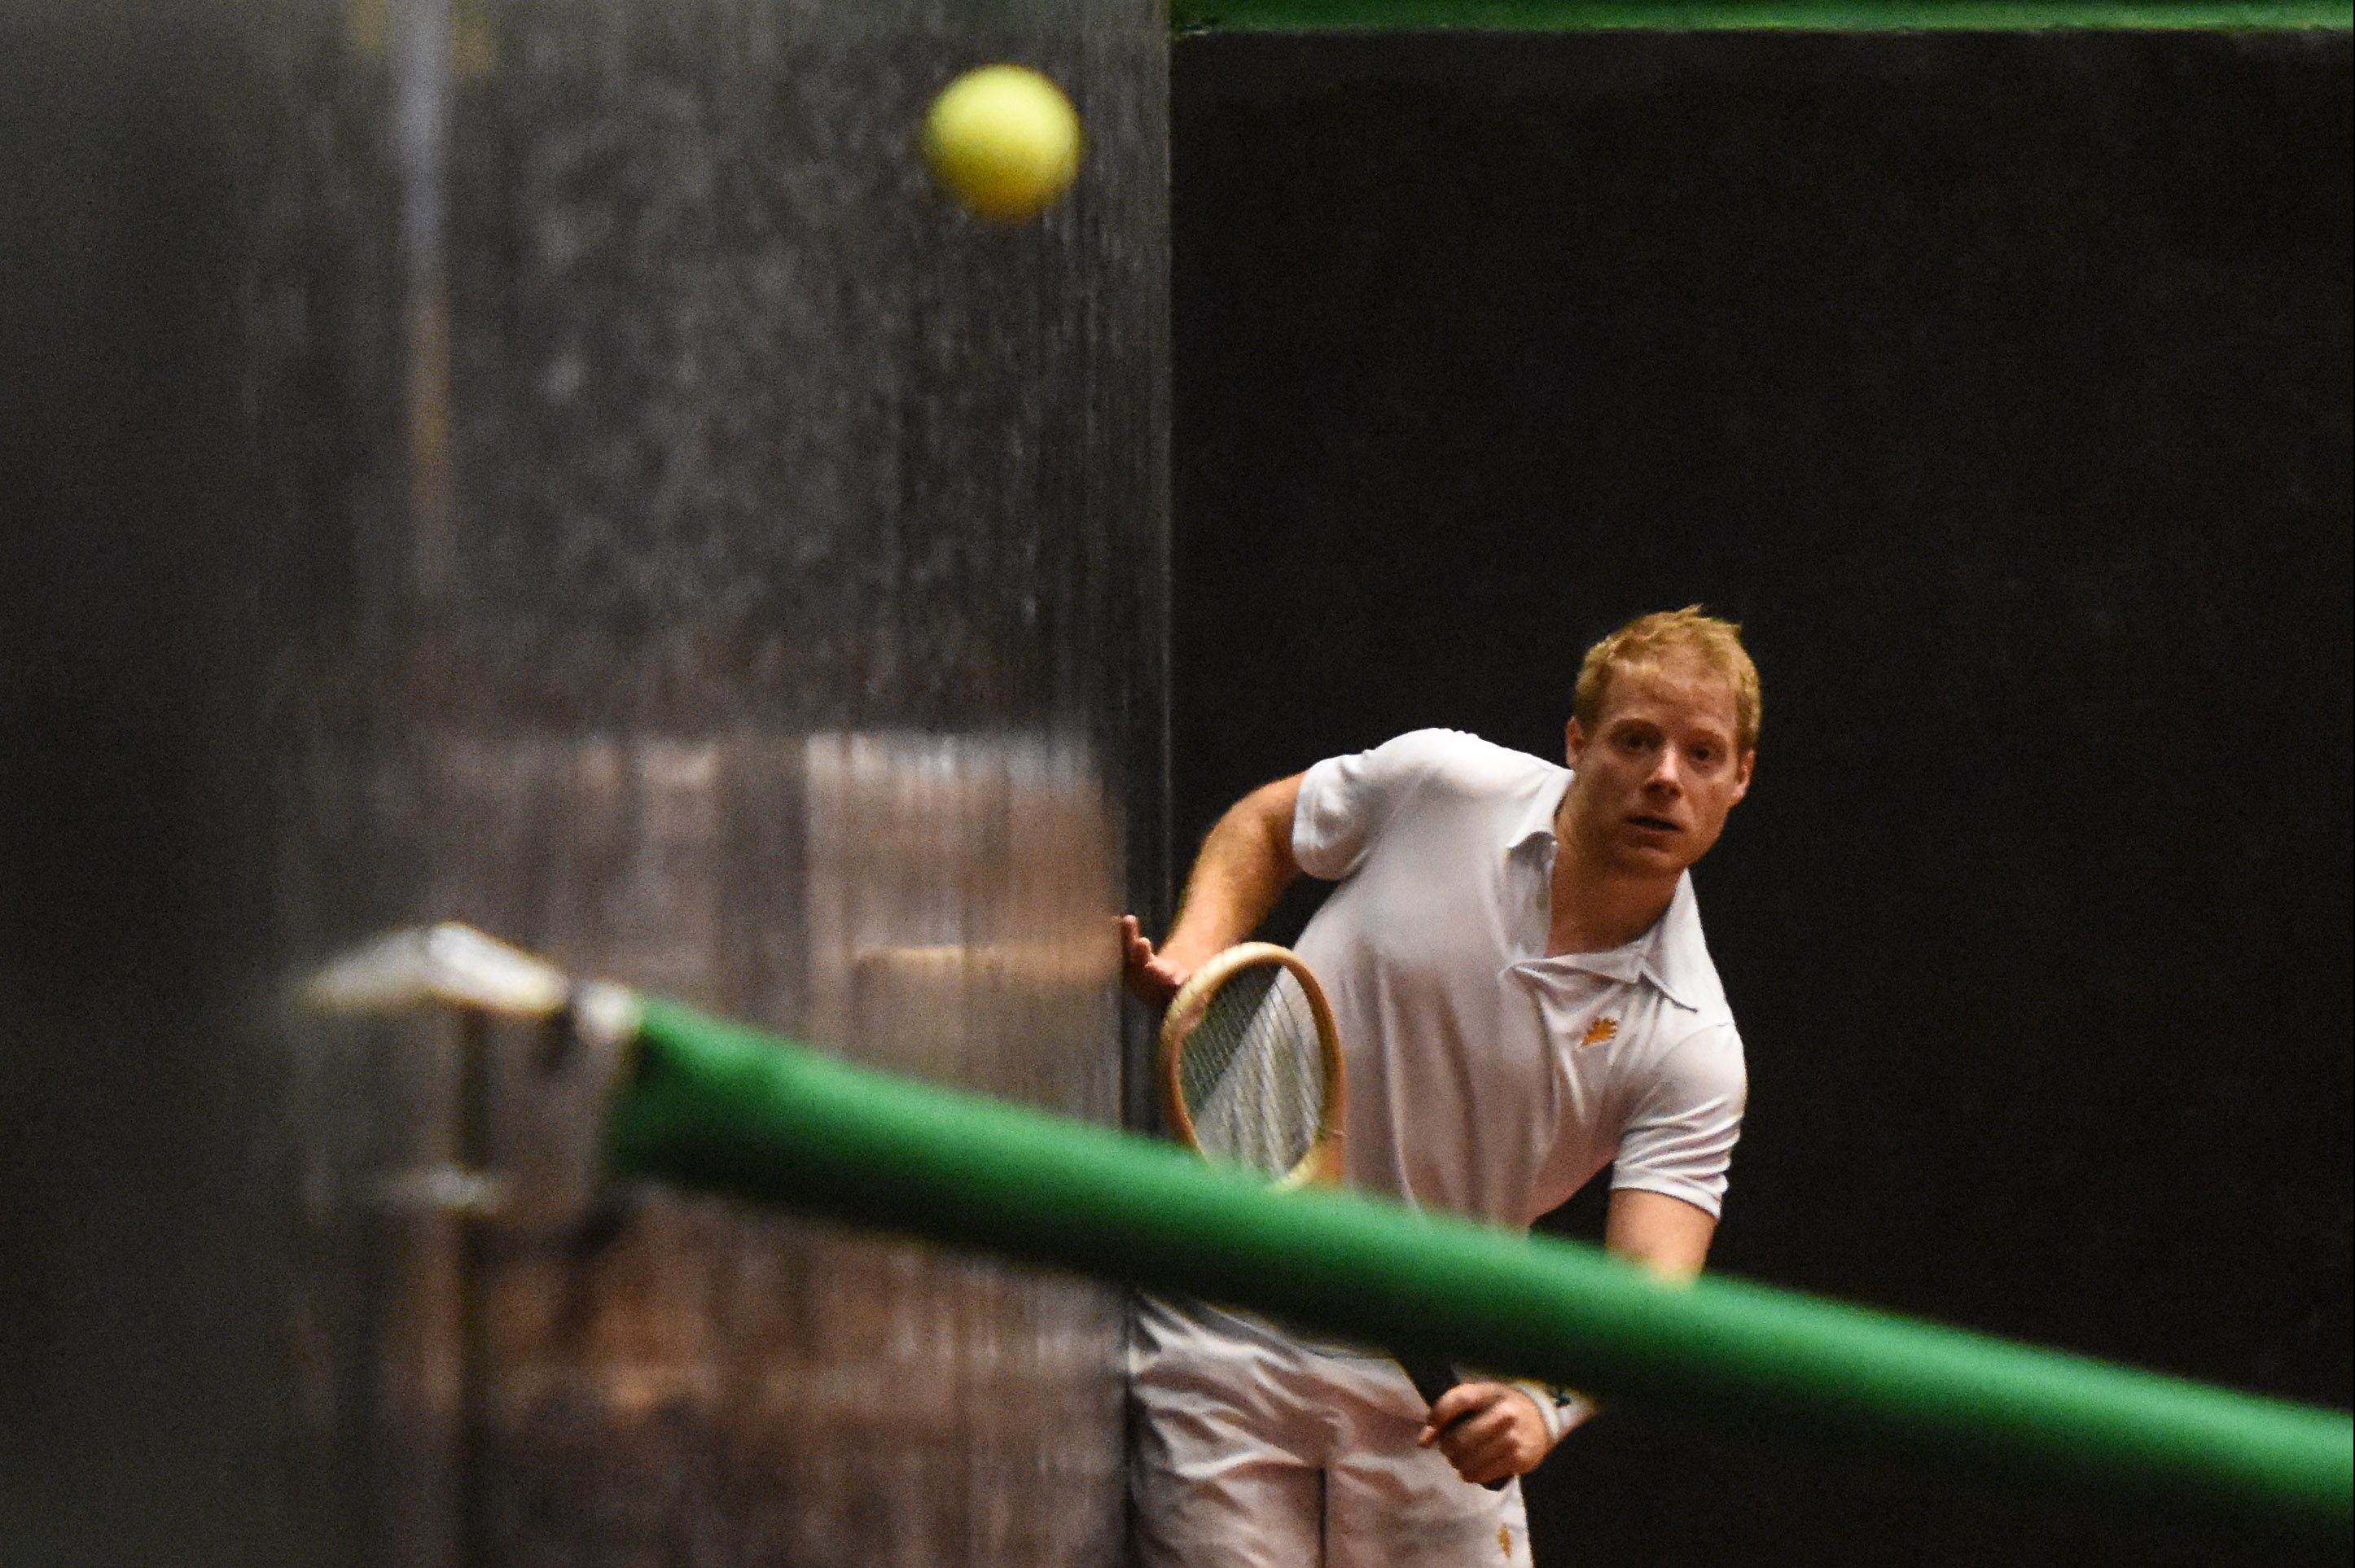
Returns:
<point x="1444" y="782"/>
<point x="1464" y="764"/>
<point x="1702" y="1063"/>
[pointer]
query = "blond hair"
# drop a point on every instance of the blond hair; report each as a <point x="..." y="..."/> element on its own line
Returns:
<point x="1650" y="641"/>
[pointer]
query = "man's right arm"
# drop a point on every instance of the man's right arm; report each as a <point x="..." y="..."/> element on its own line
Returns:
<point x="1245" y="864"/>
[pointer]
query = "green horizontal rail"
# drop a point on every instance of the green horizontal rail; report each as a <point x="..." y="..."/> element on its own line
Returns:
<point x="720" y="1107"/>
<point x="1706" y="16"/>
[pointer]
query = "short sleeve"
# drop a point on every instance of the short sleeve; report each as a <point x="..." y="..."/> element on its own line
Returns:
<point x="1345" y="800"/>
<point x="1680" y="1140"/>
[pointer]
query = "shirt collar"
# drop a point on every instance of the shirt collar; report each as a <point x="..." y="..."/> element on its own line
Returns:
<point x="1671" y="957"/>
<point x="1675" y="957"/>
<point x="1536" y="820"/>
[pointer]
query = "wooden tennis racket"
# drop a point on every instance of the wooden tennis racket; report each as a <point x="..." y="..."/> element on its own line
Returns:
<point x="1251" y="1066"/>
<point x="1251" y="1075"/>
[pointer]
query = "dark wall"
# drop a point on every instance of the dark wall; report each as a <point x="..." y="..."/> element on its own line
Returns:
<point x="1999" y="387"/>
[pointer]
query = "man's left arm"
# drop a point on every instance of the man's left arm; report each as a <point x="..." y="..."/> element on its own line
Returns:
<point x="1665" y="1234"/>
<point x="1680" y="1138"/>
<point x="1491" y="1430"/>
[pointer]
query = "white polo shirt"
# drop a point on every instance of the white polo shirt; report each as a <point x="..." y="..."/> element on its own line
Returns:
<point x="1485" y="1078"/>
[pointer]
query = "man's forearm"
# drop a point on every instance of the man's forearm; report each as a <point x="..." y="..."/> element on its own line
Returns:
<point x="1245" y="864"/>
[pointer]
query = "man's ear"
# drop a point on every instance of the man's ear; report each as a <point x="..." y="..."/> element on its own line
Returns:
<point x="1574" y="741"/>
<point x="1741" y="782"/>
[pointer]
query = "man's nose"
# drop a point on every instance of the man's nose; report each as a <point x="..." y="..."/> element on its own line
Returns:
<point x="1666" y="776"/>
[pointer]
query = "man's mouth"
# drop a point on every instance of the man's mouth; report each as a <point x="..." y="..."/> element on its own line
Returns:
<point x="1654" y="824"/>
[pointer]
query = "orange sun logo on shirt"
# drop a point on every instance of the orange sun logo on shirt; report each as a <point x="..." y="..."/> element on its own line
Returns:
<point x="1601" y="1031"/>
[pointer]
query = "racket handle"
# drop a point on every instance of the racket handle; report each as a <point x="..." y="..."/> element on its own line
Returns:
<point x="1431" y="1379"/>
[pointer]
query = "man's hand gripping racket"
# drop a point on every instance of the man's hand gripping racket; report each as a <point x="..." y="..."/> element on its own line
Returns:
<point x="1251" y="1075"/>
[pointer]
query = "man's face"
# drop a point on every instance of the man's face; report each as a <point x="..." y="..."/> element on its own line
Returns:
<point x="1659" y="773"/>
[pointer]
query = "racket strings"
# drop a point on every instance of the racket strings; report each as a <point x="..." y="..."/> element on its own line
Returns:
<point x="1251" y="1073"/>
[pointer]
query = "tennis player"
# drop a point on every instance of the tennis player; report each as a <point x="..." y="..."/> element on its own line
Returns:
<point x="1515" y="960"/>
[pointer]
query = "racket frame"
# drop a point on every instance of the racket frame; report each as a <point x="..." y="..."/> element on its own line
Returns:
<point x="1321" y="1165"/>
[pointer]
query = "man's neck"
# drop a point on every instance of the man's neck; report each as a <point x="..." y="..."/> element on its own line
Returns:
<point x="1595" y="911"/>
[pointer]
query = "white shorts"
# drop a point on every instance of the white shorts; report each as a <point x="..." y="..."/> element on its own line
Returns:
<point x="1254" y="1450"/>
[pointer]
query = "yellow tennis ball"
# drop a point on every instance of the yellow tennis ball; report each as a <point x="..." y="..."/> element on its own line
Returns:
<point x="1004" y="140"/>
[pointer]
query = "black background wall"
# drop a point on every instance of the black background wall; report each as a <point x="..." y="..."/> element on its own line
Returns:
<point x="1999" y="385"/>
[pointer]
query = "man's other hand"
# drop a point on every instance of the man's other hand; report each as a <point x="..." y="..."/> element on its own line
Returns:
<point x="1152" y="979"/>
<point x="1488" y="1431"/>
